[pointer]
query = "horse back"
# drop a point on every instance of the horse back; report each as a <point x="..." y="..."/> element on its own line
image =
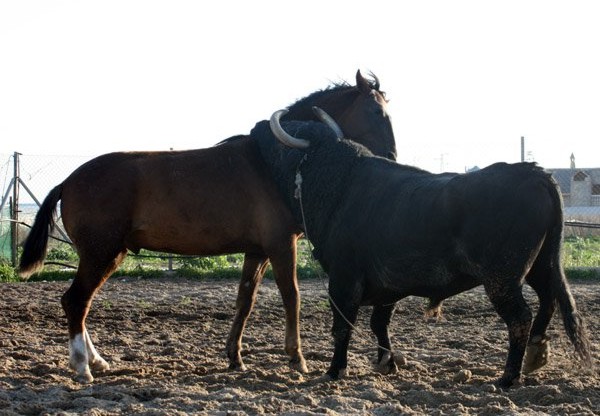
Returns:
<point x="204" y="201"/>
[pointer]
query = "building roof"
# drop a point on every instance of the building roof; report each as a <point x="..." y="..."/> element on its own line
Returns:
<point x="563" y="177"/>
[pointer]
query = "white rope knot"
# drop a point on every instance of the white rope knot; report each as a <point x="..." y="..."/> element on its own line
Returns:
<point x="298" y="182"/>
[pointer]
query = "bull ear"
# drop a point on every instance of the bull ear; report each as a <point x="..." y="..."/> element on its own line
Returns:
<point x="362" y="83"/>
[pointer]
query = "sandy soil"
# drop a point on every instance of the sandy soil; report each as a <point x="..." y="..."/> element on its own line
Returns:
<point x="165" y="341"/>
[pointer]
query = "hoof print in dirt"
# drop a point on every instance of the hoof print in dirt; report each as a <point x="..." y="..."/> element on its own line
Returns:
<point x="463" y="376"/>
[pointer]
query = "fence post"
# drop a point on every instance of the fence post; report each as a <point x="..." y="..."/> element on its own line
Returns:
<point x="14" y="214"/>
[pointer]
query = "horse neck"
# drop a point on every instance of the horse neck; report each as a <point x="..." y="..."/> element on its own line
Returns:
<point x="334" y="102"/>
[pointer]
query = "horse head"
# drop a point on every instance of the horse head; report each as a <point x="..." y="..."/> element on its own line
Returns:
<point x="359" y="110"/>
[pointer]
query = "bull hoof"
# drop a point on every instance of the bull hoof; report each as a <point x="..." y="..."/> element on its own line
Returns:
<point x="434" y="313"/>
<point x="387" y="365"/>
<point x="299" y="365"/>
<point x="508" y="382"/>
<point x="536" y="355"/>
<point x="336" y="375"/>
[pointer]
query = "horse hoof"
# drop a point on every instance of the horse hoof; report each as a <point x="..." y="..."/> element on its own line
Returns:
<point x="85" y="378"/>
<point x="100" y="366"/>
<point x="299" y="365"/>
<point x="536" y="356"/>
<point x="237" y="366"/>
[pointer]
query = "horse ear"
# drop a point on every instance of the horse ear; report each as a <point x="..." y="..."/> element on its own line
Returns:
<point x="362" y="83"/>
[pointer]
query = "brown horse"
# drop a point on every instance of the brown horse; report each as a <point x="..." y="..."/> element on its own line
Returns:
<point x="201" y="202"/>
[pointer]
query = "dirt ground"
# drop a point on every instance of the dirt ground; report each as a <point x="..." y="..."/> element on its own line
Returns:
<point x="165" y="338"/>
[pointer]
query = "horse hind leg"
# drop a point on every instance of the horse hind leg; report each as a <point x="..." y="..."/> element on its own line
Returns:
<point x="284" y="269"/>
<point x="76" y="302"/>
<point x="253" y="271"/>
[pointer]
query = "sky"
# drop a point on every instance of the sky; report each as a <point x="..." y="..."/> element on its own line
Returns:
<point x="466" y="79"/>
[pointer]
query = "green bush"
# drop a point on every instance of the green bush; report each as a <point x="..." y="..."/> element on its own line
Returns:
<point x="7" y="272"/>
<point x="62" y="252"/>
<point x="581" y="252"/>
<point x="581" y="259"/>
<point x="203" y="263"/>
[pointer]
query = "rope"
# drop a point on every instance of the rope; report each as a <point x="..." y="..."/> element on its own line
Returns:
<point x="298" y="196"/>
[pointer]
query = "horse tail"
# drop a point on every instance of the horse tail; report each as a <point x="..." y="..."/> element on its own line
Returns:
<point x="572" y="319"/>
<point x="36" y="244"/>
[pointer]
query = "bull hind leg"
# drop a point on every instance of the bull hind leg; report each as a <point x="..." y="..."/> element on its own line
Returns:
<point x="76" y="302"/>
<point x="508" y="301"/>
<point x="538" y="348"/>
<point x="252" y="273"/>
<point x="380" y="320"/>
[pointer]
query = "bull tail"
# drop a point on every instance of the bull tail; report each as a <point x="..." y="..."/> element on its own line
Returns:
<point x="36" y="244"/>
<point x="572" y="319"/>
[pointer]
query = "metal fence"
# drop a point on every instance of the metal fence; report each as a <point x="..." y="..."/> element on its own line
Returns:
<point x="27" y="179"/>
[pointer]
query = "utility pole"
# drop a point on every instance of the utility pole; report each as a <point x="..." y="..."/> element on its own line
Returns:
<point x="522" y="148"/>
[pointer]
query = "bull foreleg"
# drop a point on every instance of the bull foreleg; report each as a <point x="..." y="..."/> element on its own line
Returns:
<point x="380" y="320"/>
<point x="345" y="310"/>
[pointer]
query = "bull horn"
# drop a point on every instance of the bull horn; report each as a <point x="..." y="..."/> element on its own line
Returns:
<point x="282" y="135"/>
<point x="327" y="119"/>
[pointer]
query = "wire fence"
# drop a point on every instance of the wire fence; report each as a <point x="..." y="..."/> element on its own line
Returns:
<point x="35" y="175"/>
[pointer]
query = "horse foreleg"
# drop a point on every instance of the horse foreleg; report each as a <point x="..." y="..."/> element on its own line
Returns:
<point x="252" y="273"/>
<point x="284" y="268"/>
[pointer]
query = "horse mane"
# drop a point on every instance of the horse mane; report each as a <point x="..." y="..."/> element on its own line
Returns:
<point x="301" y="109"/>
<point x="304" y="105"/>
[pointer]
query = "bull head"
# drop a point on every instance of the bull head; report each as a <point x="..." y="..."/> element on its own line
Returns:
<point x="291" y="141"/>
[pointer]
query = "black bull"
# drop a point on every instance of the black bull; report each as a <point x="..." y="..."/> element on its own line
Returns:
<point x="384" y="231"/>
